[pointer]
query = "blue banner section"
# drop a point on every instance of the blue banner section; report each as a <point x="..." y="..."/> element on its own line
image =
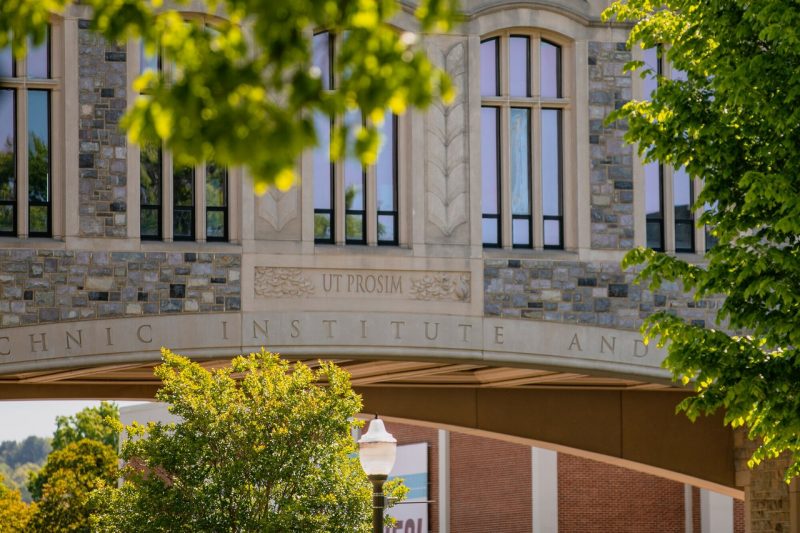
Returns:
<point x="417" y="485"/>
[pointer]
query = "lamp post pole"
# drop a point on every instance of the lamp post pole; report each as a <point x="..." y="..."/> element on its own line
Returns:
<point x="377" y="449"/>
<point x="378" y="502"/>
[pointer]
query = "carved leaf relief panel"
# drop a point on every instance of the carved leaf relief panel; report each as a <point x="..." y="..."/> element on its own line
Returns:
<point x="278" y="208"/>
<point x="447" y="151"/>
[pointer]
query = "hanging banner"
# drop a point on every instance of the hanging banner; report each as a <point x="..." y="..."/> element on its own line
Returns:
<point x="412" y="466"/>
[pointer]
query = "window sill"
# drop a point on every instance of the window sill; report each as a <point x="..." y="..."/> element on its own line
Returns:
<point x="32" y="242"/>
<point x="527" y="253"/>
<point x="191" y="246"/>
<point x="361" y="249"/>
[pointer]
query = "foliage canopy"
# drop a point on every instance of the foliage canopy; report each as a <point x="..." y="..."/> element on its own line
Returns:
<point x="14" y="513"/>
<point x="96" y="423"/>
<point x="245" y="92"/>
<point x="62" y="488"/>
<point x="735" y="123"/>
<point x="258" y="448"/>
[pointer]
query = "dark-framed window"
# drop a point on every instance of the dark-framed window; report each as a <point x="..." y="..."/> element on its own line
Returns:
<point x="386" y="184"/>
<point x="667" y="227"/>
<point x="183" y="203"/>
<point x="683" y="198"/>
<point x="347" y="183"/>
<point x="150" y="186"/>
<point x="216" y="202"/>
<point x="160" y="175"/>
<point x="26" y="126"/>
<point x="522" y="141"/>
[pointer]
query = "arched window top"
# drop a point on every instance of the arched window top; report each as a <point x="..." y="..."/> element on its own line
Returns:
<point x="521" y="64"/>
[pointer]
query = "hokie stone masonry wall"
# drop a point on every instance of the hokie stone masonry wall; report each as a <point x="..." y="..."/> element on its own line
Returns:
<point x="102" y="159"/>
<point x="41" y="285"/>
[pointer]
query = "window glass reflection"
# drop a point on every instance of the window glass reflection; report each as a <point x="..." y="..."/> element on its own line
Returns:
<point x="551" y="176"/>
<point x="321" y="58"/>
<point x="653" y="206"/>
<point x="150" y="190"/>
<point x="8" y="161"/>
<point x="183" y="203"/>
<point x="519" y="138"/>
<point x="147" y="61"/>
<point x="551" y="161"/>
<point x="216" y="201"/>
<point x="490" y="79"/>
<point x="6" y="63"/>
<point x="216" y="185"/>
<point x="519" y="65"/>
<point x="682" y="192"/>
<point x="550" y="70"/>
<point x="354" y="180"/>
<point x="323" y="178"/>
<point x="490" y="174"/>
<point x="385" y="166"/>
<point x="38" y="58"/>
<point x="653" y="63"/>
<point x="386" y="182"/>
<point x="38" y="162"/>
<point x="489" y="159"/>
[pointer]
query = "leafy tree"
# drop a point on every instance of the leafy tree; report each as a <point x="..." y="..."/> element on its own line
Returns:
<point x="17" y="478"/>
<point x="245" y="93"/>
<point x="734" y="122"/>
<point x="14" y="513"/>
<point x="259" y="448"/>
<point x="63" y="486"/>
<point x="31" y="450"/>
<point x="96" y="423"/>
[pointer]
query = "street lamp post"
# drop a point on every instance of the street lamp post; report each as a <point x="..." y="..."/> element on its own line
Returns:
<point x="377" y="449"/>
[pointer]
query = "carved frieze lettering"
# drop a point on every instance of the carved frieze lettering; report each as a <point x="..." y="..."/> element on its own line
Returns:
<point x="279" y="282"/>
<point x="282" y="283"/>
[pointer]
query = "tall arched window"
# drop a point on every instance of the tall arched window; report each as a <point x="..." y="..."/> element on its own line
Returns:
<point x="353" y="204"/>
<point x="26" y="162"/>
<point x="180" y="203"/>
<point x="522" y="114"/>
<point x="669" y="192"/>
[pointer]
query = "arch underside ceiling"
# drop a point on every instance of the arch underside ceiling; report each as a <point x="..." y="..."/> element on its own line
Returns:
<point x="623" y="421"/>
<point x="364" y="373"/>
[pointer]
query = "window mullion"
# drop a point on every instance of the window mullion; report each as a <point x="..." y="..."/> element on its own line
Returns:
<point x="536" y="90"/>
<point x="22" y="158"/>
<point x="200" y="202"/>
<point x="505" y="177"/>
<point x="536" y="162"/>
<point x="338" y="202"/>
<point x="167" y="197"/>
<point x="699" y="230"/>
<point x="371" y="204"/>
<point x="668" y="214"/>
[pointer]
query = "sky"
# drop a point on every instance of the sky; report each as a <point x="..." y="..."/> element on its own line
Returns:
<point x="21" y="419"/>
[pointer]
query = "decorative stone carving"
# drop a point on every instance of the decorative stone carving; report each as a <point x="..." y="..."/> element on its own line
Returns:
<point x="278" y="208"/>
<point x="447" y="155"/>
<point x="441" y="286"/>
<point x="282" y="282"/>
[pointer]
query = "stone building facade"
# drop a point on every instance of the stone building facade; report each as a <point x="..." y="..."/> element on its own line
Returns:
<point x="273" y="282"/>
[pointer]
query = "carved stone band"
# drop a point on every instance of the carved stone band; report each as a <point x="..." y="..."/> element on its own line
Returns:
<point x="283" y="282"/>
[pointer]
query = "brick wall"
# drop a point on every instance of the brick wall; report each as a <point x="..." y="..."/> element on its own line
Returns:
<point x="41" y="286"/>
<point x="103" y="148"/>
<point x="596" y="293"/>
<point x="595" y="497"/>
<point x="490" y="485"/>
<point x="611" y="159"/>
